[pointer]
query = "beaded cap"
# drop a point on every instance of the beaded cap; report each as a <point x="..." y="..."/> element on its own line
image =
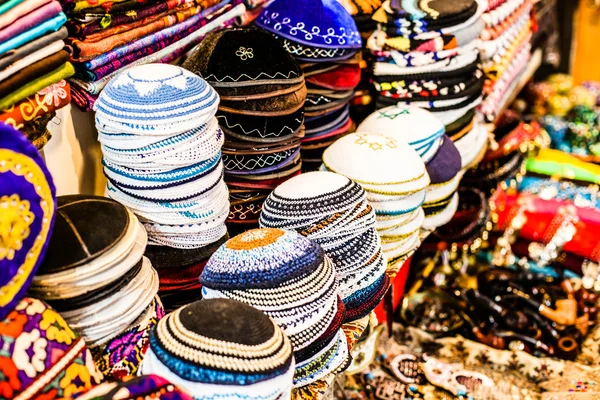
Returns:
<point x="317" y="23"/>
<point x="27" y="212"/>
<point x="261" y="258"/>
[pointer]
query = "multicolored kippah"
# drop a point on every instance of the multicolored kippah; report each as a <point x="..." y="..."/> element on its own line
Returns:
<point x="27" y="211"/>
<point x="290" y="278"/>
<point x="333" y="211"/>
<point x="222" y="349"/>
<point x="138" y="388"/>
<point x="42" y="357"/>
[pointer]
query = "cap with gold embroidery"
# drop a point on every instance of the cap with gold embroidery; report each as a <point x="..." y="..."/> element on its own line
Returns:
<point x="27" y="210"/>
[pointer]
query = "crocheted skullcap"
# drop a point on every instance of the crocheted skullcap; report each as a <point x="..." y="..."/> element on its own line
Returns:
<point x="155" y="99"/>
<point x="261" y="258"/>
<point x="222" y="342"/>
<point x="445" y="164"/>
<point x="315" y="23"/>
<point x="41" y="355"/>
<point x="374" y="159"/>
<point x="134" y="388"/>
<point x="413" y="125"/>
<point x="28" y="206"/>
<point x="243" y="57"/>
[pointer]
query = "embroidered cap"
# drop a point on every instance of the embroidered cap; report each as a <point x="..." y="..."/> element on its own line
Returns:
<point x="42" y="356"/>
<point x="27" y="210"/>
<point x="139" y="387"/>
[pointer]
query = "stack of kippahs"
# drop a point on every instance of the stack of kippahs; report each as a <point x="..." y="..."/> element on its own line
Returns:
<point x="262" y="93"/>
<point x="424" y="132"/>
<point x="395" y="179"/>
<point x="427" y="54"/>
<point x="506" y="49"/>
<point x="162" y="153"/>
<point x="42" y="358"/>
<point x="178" y="272"/>
<point x="322" y="35"/>
<point x="102" y="286"/>
<point x="222" y="349"/>
<point x="333" y="211"/>
<point x="290" y="278"/>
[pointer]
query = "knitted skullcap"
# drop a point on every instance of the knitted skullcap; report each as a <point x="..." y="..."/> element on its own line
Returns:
<point x="138" y="387"/>
<point x="243" y="57"/>
<point x="445" y="164"/>
<point x="41" y="355"/>
<point x="413" y="125"/>
<point x="261" y="258"/>
<point x="27" y="212"/>
<point x="221" y="342"/>
<point x="316" y="23"/>
<point x="374" y="159"/>
<point x="155" y="99"/>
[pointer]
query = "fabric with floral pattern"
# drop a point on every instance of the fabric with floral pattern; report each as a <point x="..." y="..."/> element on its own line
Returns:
<point x="41" y="357"/>
<point x="145" y="387"/>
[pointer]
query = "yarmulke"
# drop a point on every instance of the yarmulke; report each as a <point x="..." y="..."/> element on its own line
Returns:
<point x="42" y="357"/>
<point x="412" y="125"/>
<point x="244" y="62"/>
<point x="157" y="99"/>
<point x="244" y="353"/>
<point x="261" y="129"/>
<point x="261" y="258"/>
<point x="363" y="157"/>
<point x="445" y="164"/>
<point x="139" y="387"/>
<point x="322" y="24"/>
<point x="28" y="204"/>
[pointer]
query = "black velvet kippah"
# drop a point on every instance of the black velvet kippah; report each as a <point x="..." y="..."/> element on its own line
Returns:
<point x="261" y="129"/>
<point x="228" y="320"/>
<point x="169" y="257"/>
<point x="85" y="228"/>
<point x="243" y="57"/>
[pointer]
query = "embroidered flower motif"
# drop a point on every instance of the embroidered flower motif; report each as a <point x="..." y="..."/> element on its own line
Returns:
<point x="31" y="306"/>
<point x="14" y="225"/>
<point x="56" y="328"/>
<point x="76" y="379"/>
<point x="245" y="53"/>
<point x="12" y="326"/>
<point x="10" y="382"/>
<point x="54" y="93"/>
<point x="30" y="353"/>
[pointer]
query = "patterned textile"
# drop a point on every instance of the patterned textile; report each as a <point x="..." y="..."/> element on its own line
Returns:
<point x="42" y="357"/>
<point x="28" y="207"/>
<point x="37" y="131"/>
<point x="123" y="355"/>
<point x="47" y="100"/>
<point x="141" y="387"/>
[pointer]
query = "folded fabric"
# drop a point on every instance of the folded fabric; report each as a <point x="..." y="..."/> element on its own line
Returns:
<point x="37" y="130"/>
<point x="31" y="59"/>
<point x="17" y="54"/>
<point x="25" y="37"/>
<point x="4" y="7"/>
<point x="47" y="100"/>
<point x="30" y="20"/>
<point x="18" y="11"/>
<point x="82" y="99"/>
<point x="170" y="35"/>
<point x="33" y="71"/>
<point x="80" y="30"/>
<point x="86" y="50"/>
<point x="63" y="72"/>
<point x="78" y="5"/>
<point x="116" y="29"/>
<point x="110" y="8"/>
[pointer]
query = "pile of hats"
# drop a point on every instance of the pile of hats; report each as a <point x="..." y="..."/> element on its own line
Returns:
<point x="162" y="153"/>
<point x="395" y="179"/>
<point x="424" y="132"/>
<point x="178" y="272"/>
<point x="324" y="38"/>
<point x="102" y="286"/>
<point x="33" y="66"/>
<point x="428" y="54"/>
<point x="140" y="387"/>
<point x="332" y="211"/>
<point x="293" y="281"/>
<point x="107" y="37"/>
<point x="222" y="349"/>
<point x="506" y="50"/>
<point x="262" y="93"/>
<point x="42" y="358"/>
